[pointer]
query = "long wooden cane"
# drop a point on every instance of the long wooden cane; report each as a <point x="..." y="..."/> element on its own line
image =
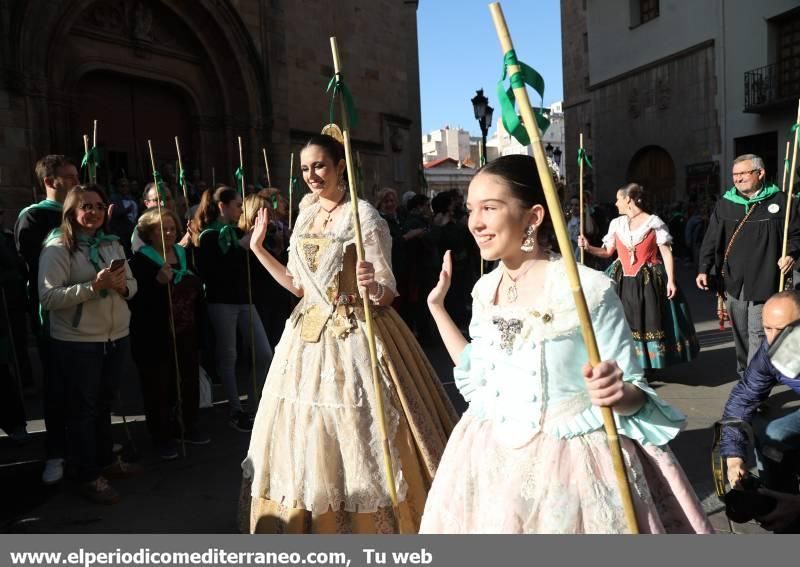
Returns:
<point x="373" y="351"/>
<point x="571" y="266"/>
<point x="291" y="188"/>
<point x="182" y="180"/>
<point x="786" y="168"/>
<point x="252" y="309"/>
<point x="788" y="213"/>
<point x="93" y="164"/>
<point x="580" y="192"/>
<point x="173" y="333"/>
<point x="266" y="165"/>
<point x="86" y="153"/>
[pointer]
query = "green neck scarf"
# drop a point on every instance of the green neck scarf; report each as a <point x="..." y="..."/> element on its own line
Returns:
<point x="150" y="253"/>
<point x="227" y="235"/>
<point x="47" y="205"/>
<point x="93" y="243"/>
<point x="734" y="196"/>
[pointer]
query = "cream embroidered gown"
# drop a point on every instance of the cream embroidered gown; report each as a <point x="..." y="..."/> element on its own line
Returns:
<point x="315" y="462"/>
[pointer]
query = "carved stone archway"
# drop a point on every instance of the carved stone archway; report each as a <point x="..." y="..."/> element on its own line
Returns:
<point x="198" y="49"/>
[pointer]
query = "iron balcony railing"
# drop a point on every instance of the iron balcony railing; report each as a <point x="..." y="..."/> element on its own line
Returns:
<point x="772" y="85"/>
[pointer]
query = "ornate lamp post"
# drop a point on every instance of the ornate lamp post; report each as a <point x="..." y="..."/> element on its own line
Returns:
<point x="483" y="114"/>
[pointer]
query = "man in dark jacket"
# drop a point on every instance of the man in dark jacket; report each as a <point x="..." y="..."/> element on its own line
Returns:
<point x="744" y="243"/>
<point x="56" y="175"/>
<point x="778" y="444"/>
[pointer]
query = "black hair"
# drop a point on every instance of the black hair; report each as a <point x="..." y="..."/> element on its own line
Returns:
<point x="522" y="178"/>
<point x="441" y="202"/>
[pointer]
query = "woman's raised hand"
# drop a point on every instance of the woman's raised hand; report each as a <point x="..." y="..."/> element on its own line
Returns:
<point x="438" y="293"/>
<point x="260" y="228"/>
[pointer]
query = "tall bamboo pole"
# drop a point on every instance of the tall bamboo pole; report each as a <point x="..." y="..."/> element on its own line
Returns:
<point x="580" y="192"/>
<point x="786" y="167"/>
<point x="373" y="351"/>
<point x="252" y="311"/>
<point x="173" y="333"/>
<point x="86" y="153"/>
<point x="266" y="165"/>
<point x="182" y="180"/>
<point x="788" y="213"/>
<point x="291" y="188"/>
<point x="571" y="266"/>
<point x="93" y="165"/>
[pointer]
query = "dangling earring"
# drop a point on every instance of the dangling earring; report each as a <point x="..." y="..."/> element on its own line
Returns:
<point x="529" y="242"/>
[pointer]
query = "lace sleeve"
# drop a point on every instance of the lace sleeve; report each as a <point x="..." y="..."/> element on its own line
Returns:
<point x="378" y="246"/>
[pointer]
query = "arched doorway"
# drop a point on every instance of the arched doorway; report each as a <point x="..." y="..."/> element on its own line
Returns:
<point x="132" y="110"/>
<point x="188" y="69"/>
<point x="653" y="168"/>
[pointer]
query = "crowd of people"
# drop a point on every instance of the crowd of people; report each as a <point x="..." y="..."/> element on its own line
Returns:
<point x="221" y="282"/>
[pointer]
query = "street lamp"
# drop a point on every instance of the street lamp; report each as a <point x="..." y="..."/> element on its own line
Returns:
<point x="549" y="150"/>
<point x="483" y="114"/>
<point x="557" y="156"/>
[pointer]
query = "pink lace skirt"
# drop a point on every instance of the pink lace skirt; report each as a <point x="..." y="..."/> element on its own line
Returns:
<point x="555" y="486"/>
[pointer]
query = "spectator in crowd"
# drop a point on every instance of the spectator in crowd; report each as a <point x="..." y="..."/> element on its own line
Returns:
<point x="694" y="231"/>
<point x="150" y="199"/>
<point x="171" y="415"/>
<point x="12" y="329"/>
<point x="746" y="226"/>
<point x="778" y="441"/>
<point x="125" y="200"/>
<point x="413" y="289"/>
<point x="222" y="255"/>
<point x="574" y="224"/>
<point x="57" y="175"/>
<point x="84" y="284"/>
<point x="273" y="302"/>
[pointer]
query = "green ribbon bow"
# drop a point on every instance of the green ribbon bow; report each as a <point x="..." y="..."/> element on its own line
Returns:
<point x="93" y="247"/>
<point x="162" y="192"/>
<point x="295" y="183"/>
<point x="177" y="274"/>
<point x="92" y="157"/>
<point x="337" y="84"/>
<point x="239" y="175"/>
<point x="582" y="157"/>
<point x="181" y="178"/>
<point x="227" y="235"/>
<point x="275" y="202"/>
<point x="525" y="76"/>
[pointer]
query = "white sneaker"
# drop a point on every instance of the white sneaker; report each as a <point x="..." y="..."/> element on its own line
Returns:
<point x="53" y="471"/>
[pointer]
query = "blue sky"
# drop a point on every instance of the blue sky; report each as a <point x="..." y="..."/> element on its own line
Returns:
<point x="459" y="53"/>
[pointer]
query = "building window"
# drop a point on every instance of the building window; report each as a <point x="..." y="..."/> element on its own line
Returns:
<point x="642" y="11"/>
<point x="789" y="55"/>
<point x="648" y="10"/>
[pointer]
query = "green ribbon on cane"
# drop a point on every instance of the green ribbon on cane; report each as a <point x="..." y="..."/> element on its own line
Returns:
<point x="239" y="175"/>
<point x="337" y="84"/>
<point x="181" y="178"/>
<point x="91" y="157"/>
<point x="162" y="192"/>
<point x="526" y="75"/>
<point x="178" y="273"/>
<point x="582" y="157"/>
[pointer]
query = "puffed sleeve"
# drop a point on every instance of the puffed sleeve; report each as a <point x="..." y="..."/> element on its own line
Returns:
<point x="608" y="239"/>
<point x="662" y="231"/>
<point x="656" y="422"/>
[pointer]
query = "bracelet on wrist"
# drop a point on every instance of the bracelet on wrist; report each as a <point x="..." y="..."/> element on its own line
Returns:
<point x="378" y="295"/>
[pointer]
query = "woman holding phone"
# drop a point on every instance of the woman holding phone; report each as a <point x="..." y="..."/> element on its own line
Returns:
<point x="84" y="285"/>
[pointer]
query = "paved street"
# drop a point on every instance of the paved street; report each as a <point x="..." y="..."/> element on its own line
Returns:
<point x="199" y="493"/>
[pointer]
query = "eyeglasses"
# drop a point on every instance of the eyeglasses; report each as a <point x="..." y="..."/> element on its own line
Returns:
<point x="741" y="173"/>
<point x="99" y="207"/>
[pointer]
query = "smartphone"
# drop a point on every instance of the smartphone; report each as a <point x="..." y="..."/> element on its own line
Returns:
<point x="116" y="264"/>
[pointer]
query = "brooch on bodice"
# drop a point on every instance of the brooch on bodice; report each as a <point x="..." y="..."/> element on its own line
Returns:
<point x="508" y="328"/>
<point x="310" y="253"/>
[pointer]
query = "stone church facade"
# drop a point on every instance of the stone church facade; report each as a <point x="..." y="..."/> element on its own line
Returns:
<point x="207" y="71"/>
